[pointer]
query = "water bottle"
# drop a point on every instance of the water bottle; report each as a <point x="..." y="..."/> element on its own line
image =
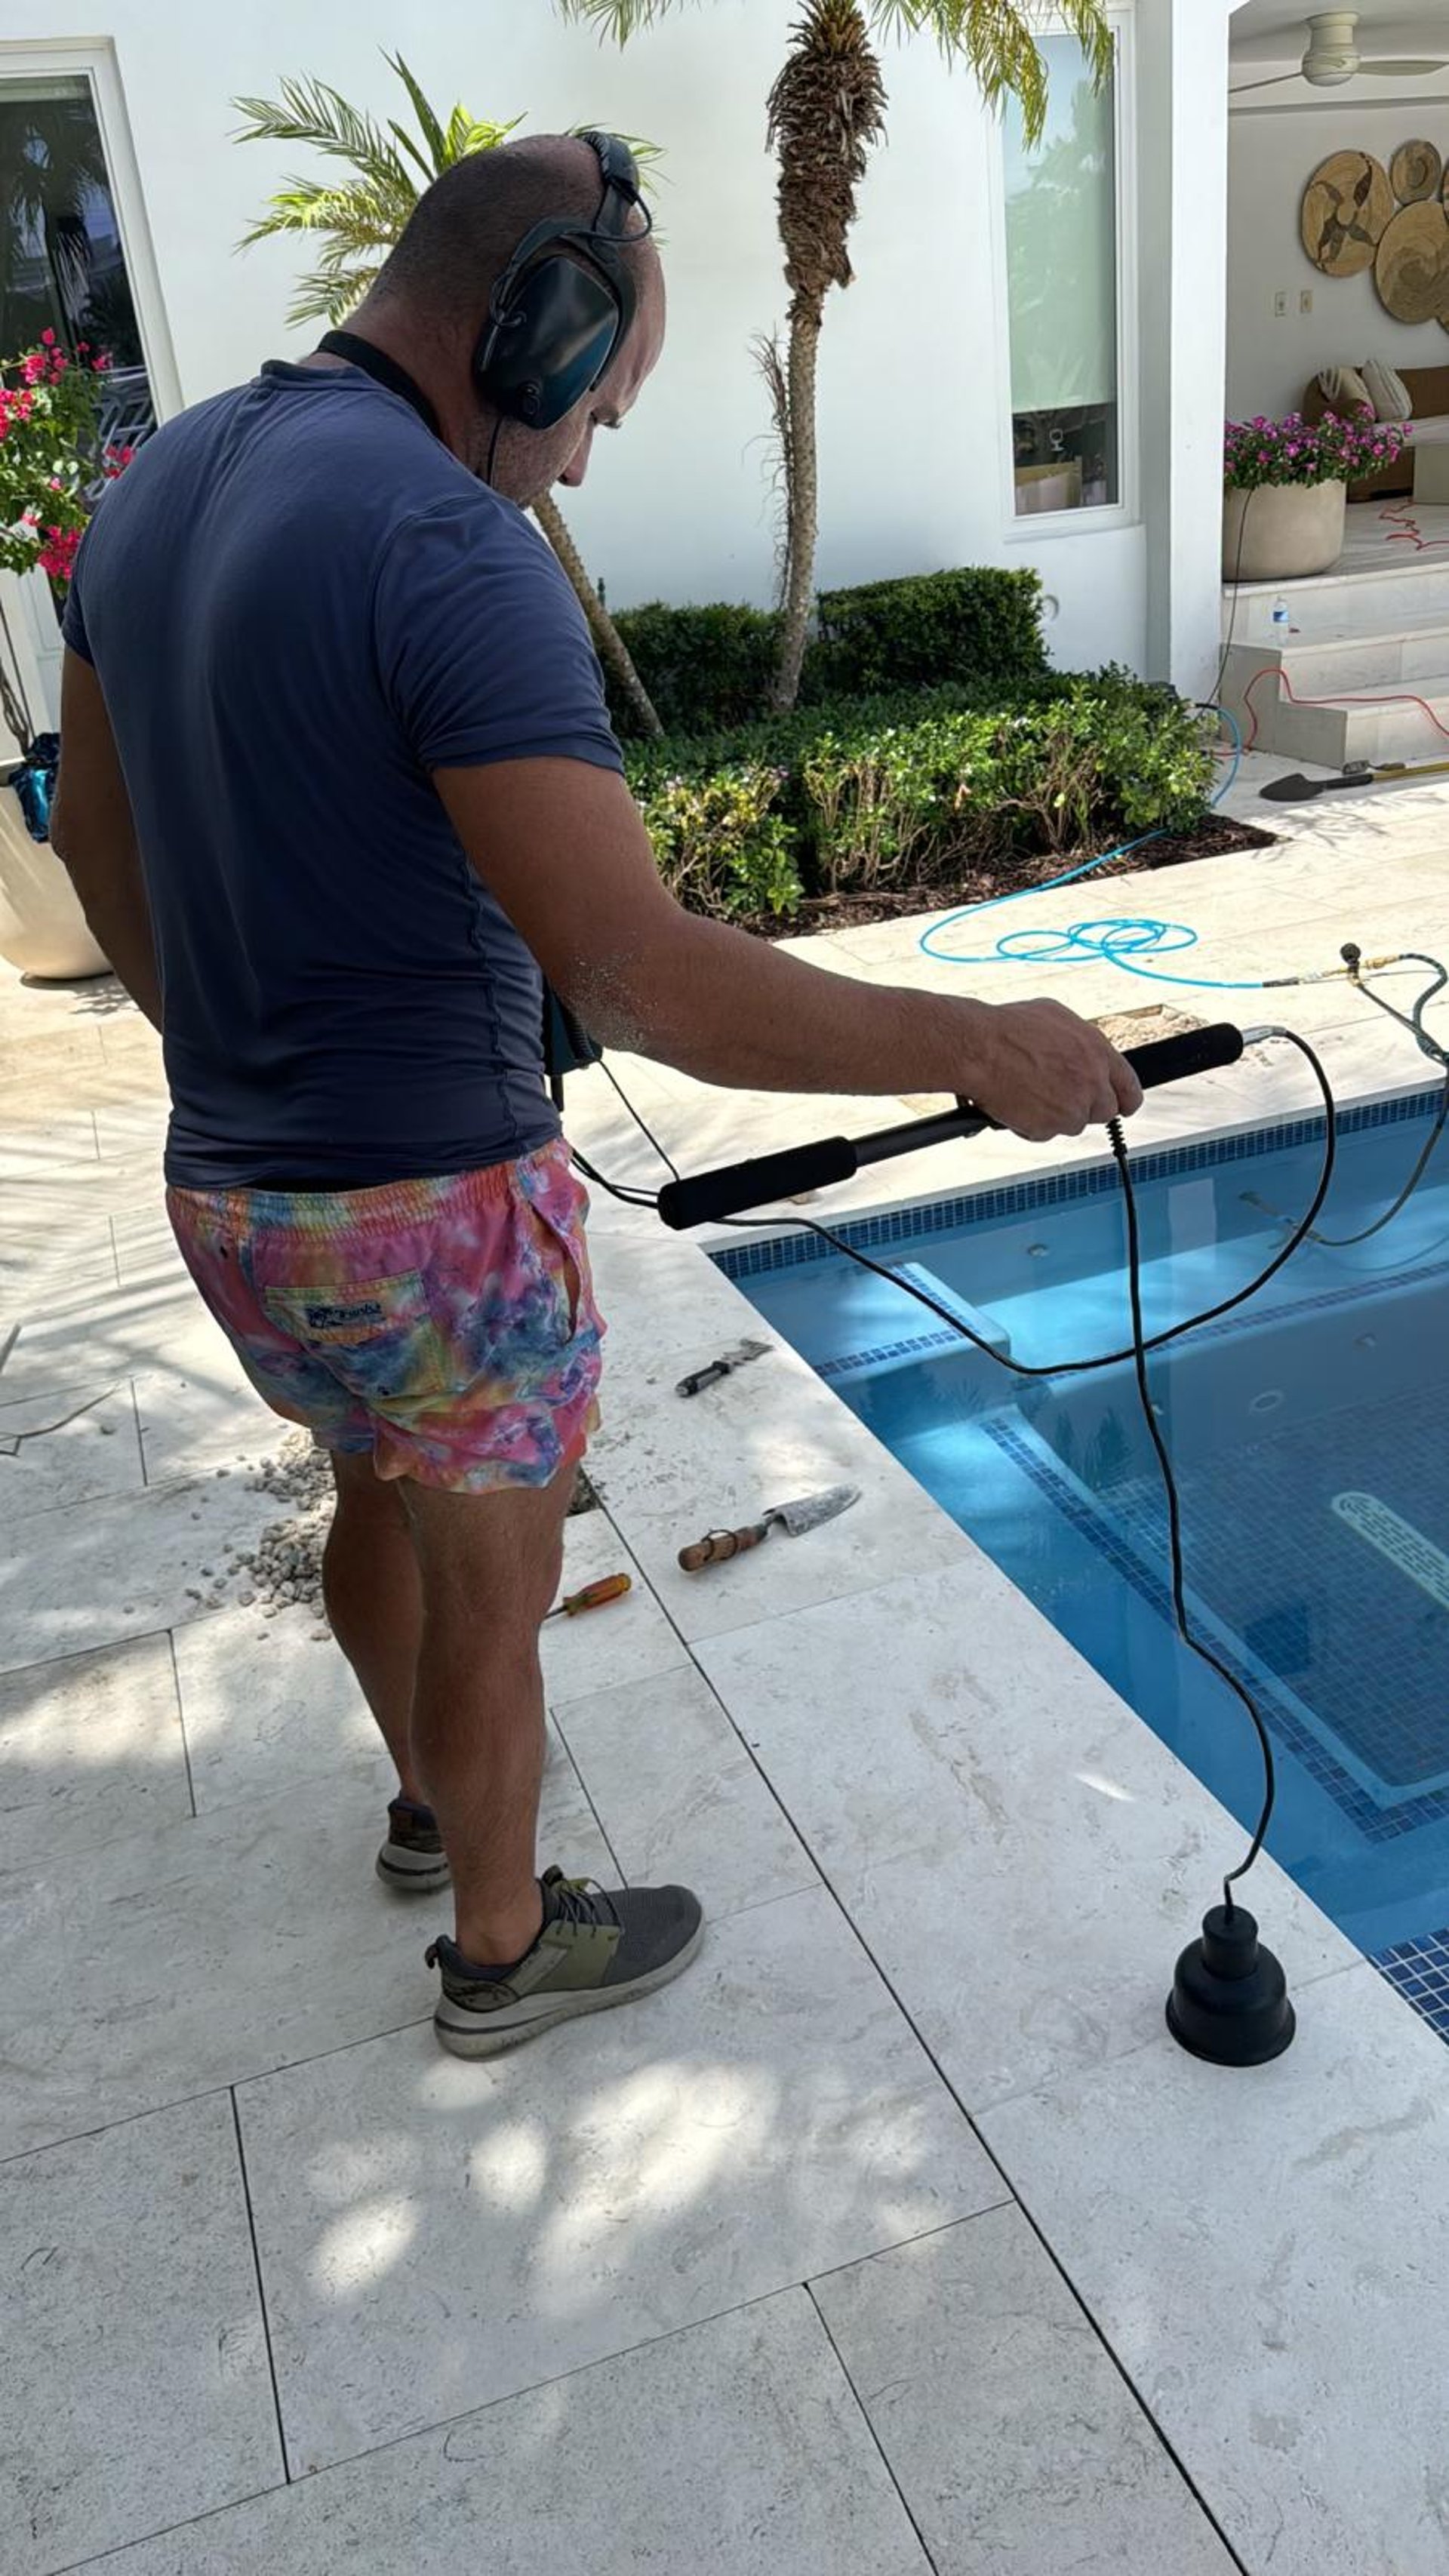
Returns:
<point x="1282" y="621"/>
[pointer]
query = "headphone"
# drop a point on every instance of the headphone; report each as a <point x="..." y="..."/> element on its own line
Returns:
<point x="565" y="302"/>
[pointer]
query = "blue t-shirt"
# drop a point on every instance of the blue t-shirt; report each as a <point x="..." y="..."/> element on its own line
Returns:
<point x="299" y="604"/>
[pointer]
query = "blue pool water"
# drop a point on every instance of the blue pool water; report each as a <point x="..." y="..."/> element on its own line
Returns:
<point x="1310" y="1436"/>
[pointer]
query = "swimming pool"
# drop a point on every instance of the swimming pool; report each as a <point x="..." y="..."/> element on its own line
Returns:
<point x="1309" y="1434"/>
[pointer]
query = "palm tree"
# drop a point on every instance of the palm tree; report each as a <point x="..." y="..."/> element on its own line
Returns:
<point x="825" y="111"/>
<point x="352" y="226"/>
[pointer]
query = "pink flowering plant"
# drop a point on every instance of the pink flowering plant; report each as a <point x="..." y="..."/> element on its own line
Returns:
<point x="50" y="455"/>
<point x="1299" y="451"/>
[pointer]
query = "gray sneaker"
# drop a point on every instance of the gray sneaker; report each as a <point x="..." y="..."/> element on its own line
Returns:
<point x="598" y="1947"/>
<point x="412" y="1860"/>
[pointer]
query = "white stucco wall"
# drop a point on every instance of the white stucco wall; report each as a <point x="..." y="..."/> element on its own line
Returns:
<point x="913" y="369"/>
<point x="1271" y="160"/>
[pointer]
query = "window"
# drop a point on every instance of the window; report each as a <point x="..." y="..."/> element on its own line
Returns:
<point x="1062" y="215"/>
<point x="62" y="263"/>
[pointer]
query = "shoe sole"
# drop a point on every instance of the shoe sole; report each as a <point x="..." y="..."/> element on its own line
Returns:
<point x="474" y="2037"/>
<point x="412" y="1877"/>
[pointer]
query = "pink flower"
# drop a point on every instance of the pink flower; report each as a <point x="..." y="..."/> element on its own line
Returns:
<point x="47" y="339"/>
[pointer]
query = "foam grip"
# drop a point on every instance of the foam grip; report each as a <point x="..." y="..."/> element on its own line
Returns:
<point x="708" y="1196"/>
<point x="1196" y="1051"/>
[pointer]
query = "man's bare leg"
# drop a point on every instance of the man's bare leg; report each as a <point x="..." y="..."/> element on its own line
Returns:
<point x="490" y="1567"/>
<point x="374" y="1598"/>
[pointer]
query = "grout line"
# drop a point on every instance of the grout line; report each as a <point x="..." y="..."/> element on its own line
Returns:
<point x="140" y="1434"/>
<point x="865" y="2416"/>
<point x="181" y="1716"/>
<point x="828" y="1884"/>
<point x="168" y="2530"/>
<point x="241" y="2154"/>
<point x="446" y="2424"/>
<point x="205" y="2092"/>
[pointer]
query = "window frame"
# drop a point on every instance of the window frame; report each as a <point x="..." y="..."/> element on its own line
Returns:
<point x="1126" y="510"/>
<point x="34" y="631"/>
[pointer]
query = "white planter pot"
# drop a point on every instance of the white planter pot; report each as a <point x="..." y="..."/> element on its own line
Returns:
<point x="42" y="928"/>
<point x="1282" y="531"/>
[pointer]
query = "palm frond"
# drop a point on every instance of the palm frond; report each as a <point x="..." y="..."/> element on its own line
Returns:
<point x="330" y="295"/>
<point x="312" y="112"/>
<point x="362" y="215"/>
<point x="620" y="19"/>
<point x="468" y="134"/>
<point x="429" y="123"/>
<point x="998" y="39"/>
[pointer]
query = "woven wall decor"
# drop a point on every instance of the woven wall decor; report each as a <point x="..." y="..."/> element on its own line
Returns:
<point x="1346" y="206"/>
<point x="1411" y="268"/>
<point x="1416" y="172"/>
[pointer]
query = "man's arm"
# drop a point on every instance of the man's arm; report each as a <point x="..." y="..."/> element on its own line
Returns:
<point x="93" y="834"/>
<point x="561" y="846"/>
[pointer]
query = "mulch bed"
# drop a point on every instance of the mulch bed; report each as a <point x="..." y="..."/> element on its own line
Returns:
<point x="1015" y="875"/>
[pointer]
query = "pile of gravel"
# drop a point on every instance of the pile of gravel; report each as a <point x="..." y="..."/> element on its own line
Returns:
<point x="284" y="1570"/>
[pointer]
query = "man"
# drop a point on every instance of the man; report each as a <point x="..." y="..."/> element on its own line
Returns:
<point x="338" y="781"/>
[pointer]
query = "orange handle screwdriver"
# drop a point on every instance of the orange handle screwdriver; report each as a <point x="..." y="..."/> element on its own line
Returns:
<point x="610" y="1587"/>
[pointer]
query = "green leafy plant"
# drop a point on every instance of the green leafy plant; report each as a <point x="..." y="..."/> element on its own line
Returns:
<point x="721" y="844"/>
<point x="980" y="626"/>
<point x="918" y="791"/>
<point x="351" y="224"/>
<point x="702" y="666"/>
<point x="825" y="113"/>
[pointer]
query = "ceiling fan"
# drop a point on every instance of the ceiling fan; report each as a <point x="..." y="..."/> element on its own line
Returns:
<point x="1333" y="57"/>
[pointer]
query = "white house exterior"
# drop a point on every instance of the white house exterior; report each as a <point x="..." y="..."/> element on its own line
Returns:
<point x="940" y="382"/>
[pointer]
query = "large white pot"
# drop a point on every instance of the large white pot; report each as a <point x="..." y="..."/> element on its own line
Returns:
<point x="42" y="928"/>
<point x="1282" y="531"/>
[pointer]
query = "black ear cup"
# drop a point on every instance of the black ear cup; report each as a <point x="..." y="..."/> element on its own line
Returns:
<point x="564" y="302"/>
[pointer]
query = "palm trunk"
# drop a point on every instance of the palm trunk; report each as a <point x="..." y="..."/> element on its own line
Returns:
<point x="802" y="516"/>
<point x="610" y="644"/>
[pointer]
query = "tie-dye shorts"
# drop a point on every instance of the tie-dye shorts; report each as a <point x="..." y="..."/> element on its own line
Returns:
<point x="448" y="1326"/>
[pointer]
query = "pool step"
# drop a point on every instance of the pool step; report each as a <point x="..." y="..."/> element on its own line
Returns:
<point x="910" y="1345"/>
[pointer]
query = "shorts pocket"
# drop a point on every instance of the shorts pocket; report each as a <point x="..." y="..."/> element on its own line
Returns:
<point x="558" y="1254"/>
<point x="378" y="1337"/>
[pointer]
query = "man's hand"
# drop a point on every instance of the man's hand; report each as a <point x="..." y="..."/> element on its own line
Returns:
<point x="561" y="846"/>
<point x="1047" y="1073"/>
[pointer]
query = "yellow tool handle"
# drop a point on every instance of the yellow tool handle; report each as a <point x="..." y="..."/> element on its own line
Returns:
<point x="610" y="1587"/>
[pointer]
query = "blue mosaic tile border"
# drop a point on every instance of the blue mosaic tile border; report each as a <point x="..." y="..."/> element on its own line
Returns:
<point x="1376" y="1824"/>
<point x="1092" y="1180"/>
<point x="1419" y="1970"/>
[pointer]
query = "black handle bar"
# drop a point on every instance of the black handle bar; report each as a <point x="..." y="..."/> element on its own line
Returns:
<point x="735" y="1187"/>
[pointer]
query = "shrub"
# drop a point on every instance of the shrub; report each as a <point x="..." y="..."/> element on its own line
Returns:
<point x="722" y="844"/>
<point x="978" y="628"/>
<point x="712" y="667"/>
<point x="916" y="790"/>
<point x="701" y="666"/>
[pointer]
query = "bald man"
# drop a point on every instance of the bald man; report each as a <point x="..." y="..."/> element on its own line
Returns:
<point x="338" y="782"/>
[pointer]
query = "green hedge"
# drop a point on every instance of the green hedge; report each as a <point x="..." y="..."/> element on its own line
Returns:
<point x="976" y="629"/>
<point x="918" y="789"/>
<point x="701" y="666"/>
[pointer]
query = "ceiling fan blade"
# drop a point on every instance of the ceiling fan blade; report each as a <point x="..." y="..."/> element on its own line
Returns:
<point x="1245" y="89"/>
<point x="1406" y="70"/>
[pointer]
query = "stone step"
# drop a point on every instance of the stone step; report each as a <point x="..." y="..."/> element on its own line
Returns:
<point x="1376" y="720"/>
<point x="1408" y="590"/>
